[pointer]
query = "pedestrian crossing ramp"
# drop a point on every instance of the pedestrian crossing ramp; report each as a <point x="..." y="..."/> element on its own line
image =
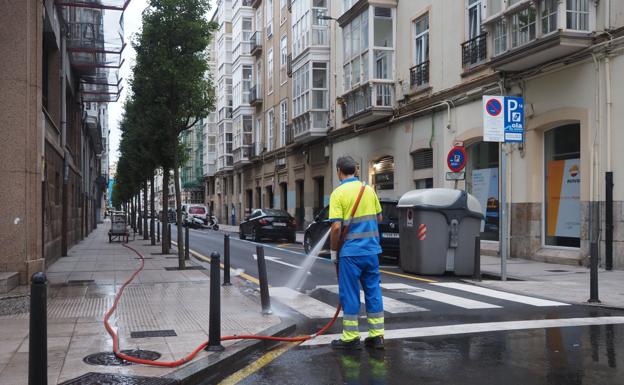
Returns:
<point x="401" y="298"/>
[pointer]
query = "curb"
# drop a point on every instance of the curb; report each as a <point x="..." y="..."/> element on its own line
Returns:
<point x="207" y="369"/>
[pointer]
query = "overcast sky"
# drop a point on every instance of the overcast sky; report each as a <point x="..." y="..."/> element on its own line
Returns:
<point x="132" y="25"/>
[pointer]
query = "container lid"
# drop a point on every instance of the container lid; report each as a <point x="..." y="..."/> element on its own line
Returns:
<point x="440" y="198"/>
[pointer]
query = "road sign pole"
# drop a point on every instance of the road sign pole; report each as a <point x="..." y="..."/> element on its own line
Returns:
<point x="503" y="211"/>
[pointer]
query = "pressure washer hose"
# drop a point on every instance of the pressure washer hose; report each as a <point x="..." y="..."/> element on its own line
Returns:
<point x="173" y="364"/>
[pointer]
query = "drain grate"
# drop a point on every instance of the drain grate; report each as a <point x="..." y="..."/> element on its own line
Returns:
<point x="110" y="359"/>
<point x="171" y="268"/>
<point x="153" y="333"/>
<point x="118" y="379"/>
<point x="557" y="271"/>
<point x="79" y="282"/>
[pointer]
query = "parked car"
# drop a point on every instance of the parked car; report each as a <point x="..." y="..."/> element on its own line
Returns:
<point x="268" y="223"/>
<point x="190" y="211"/>
<point x="388" y="230"/>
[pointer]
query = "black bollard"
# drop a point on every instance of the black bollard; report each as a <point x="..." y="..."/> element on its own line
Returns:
<point x="168" y="235"/>
<point x="477" y="259"/>
<point x="38" y="340"/>
<point x="158" y="231"/>
<point x="265" y="300"/>
<point x="214" y="321"/>
<point x="593" y="273"/>
<point x="187" y="249"/>
<point x="226" y="260"/>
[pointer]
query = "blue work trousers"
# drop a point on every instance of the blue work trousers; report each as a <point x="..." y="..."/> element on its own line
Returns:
<point x="358" y="270"/>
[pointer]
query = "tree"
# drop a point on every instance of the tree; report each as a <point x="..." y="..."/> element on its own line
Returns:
<point x="171" y="83"/>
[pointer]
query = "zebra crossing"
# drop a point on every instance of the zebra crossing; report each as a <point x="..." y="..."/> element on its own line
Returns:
<point x="452" y="294"/>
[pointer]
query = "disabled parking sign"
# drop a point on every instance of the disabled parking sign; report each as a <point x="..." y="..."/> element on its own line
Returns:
<point x="503" y="119"/>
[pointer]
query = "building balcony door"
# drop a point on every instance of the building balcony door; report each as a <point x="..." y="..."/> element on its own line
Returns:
<point x="299" y="205"/>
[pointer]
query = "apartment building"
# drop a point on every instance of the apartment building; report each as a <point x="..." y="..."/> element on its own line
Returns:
<point x="273" y="103"/>
<point x="58" y="72"/>
<point x="412" y="76"/>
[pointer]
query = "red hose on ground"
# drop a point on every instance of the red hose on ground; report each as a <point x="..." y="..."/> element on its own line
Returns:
<point x="172" y="364"/>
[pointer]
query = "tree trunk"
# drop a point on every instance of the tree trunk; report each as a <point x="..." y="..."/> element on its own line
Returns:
<point x="166" y="237"/>
<point x="153" y="210"/>
<point x="178" y="198"/>
<point x="132" y="217"/>
<point x="140" y="224"/>
<point x="145" y="211"/>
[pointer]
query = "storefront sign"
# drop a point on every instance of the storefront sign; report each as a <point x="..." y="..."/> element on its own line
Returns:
<point x="503" y="119"/>
<point x="563" y="208"/>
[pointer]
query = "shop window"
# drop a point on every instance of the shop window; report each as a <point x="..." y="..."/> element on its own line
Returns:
<point x="482" y="182"/>
<point x="562" y="214"/>
<point x="383" y="173"/>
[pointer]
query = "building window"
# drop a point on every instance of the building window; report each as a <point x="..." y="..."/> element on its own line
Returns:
<point x="283" y="59"/>
<point x="419" y="74"/>
<point x="270" y="70"/>
<point x="320" y="29"/>
<point x="482" y="182"/>
<point x="523" y="27"/>
<point x="355" y="49"/>
<point x="548" y="11"/>
<point x="283" y="121"/>
<point x="500" y="37"/>
<point x="420" y="184"/>
<point x="319" y="86"/>
<point x="301" y="87"/>
<point x="270" y="126"/>
<point x="577" y="15"/>
<point x="562" y="209"/>
<point x="474" y="18"/>
<point x="247" y="71"/>
<point x="269" y="18"/>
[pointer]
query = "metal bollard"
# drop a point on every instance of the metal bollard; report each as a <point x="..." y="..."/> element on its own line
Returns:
<point x="226" y="260"/>
<point x="158" y="231"/>
<point x="38" y="340"/>
<point x="187" y="250"/>
<point x="265" y="300"/>
<point x="214" y="325"/>
<point x="169" y="235"/>
<point x="593" y="273"/>
<point x="477" y="259"/>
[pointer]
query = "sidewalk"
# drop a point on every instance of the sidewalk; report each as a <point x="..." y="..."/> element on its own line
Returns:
<point x="560" y="282"/>
<point x="82" y="287"/>
<point x="234" y="229"/>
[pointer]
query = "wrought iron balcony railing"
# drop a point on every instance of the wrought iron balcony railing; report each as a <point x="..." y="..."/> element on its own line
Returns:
<point x="256" y="43"/>
<point x="474" y="51"/>
<point x="419" y="74"/>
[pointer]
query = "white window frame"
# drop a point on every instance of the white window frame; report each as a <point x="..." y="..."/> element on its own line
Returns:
<point x="283" y="121"/>
<point x="270" y="65"/>
<point x="421" y="54"/>
<point x="269" y="129"/>
<point x="475" y="6"/>
<point x="283" y="59"/>
<point x="269" y="18"/>
<point x="546" y="17"/>
<point x="517" y="31"/>
<point x="578" y="14"/>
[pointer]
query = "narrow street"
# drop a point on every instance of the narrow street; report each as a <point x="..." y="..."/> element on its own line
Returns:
<point x="436" y="327"/>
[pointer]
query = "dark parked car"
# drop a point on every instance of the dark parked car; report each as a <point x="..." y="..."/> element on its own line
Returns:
<point x="388" y="230"/>
<point x="268" y="223"/>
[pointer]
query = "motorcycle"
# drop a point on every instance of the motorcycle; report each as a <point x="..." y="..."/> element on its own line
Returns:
<point x="211" y="223"/>
<point x="195" y="223"/>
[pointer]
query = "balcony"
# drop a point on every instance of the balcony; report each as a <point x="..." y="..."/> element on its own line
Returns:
<point x="541" y="50"/>
<point x="255" y="96"/>
<point x="256" y="43"/>
<point x="242" y="155"/>
<point x="290" y="137"/>
<point x="368" y="103"/>
<point x="474" y="51"/>
<point x="419" y="75"/>
<point x="307" y="127"/>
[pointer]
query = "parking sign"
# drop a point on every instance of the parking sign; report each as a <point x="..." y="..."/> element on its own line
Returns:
<point x="514" y="119"/>
<point x="503" y="119"/>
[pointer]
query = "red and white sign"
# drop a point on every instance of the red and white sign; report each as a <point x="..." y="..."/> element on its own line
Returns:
<point x="422" y="232"/>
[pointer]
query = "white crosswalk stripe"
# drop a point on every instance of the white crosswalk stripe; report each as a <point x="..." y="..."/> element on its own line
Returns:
<point x="390" y="305"/>
<point x="439" y="297"/>
<point x="500" y="294"/>
<point x="304" y="304"/>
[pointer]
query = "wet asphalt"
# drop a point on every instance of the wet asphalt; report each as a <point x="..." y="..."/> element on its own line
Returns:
<point x="567" y="355"/>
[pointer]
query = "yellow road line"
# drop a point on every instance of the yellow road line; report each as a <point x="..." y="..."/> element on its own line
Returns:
<point x="258" y="364"/>
<point x="408" y="276"/>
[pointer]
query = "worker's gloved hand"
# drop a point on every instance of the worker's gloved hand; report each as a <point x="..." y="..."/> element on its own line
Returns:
<point x="334" y="256"/>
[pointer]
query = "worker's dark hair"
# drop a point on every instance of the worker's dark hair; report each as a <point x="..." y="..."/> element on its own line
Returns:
<point x="346" y="165"/>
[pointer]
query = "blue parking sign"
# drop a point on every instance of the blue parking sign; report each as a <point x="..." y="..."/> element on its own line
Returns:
<point x="514" y="119"/>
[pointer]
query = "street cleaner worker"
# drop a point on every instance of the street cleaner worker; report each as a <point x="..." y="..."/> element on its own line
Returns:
<point x="354" y="211"/>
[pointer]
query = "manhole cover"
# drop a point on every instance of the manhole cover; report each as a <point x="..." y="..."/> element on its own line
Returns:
<point x="109" y="358"/>
<point x="117" y="379"/>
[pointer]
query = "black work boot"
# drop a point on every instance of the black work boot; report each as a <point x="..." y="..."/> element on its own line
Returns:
<point x="346" y="345"/>
<point x="374" y="342"/>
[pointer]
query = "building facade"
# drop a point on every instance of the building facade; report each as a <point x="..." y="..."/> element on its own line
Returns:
<point x="59" y="71"/>
<point x="413" y="74"/>
<point x="275" y="113"/>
